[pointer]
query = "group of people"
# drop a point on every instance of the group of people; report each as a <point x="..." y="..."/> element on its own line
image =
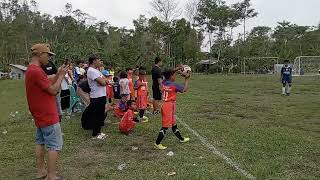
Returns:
<point x="99" y="89"/>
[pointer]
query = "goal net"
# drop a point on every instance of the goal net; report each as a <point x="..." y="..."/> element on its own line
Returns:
<point x="306" y="66"/>
<point x="259" y="65"/>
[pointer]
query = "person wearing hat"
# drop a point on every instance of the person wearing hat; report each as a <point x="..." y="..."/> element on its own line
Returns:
<point x="108" y="76"/>
<point x="41" y="99"/>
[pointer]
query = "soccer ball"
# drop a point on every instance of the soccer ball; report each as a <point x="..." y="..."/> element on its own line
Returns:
<point x="186" y="70"/>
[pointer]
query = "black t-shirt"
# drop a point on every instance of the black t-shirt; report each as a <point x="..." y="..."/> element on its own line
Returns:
<point x="84" y="85"/>
<point x="156" y="74"/>
<point x="50" y="68"/>
<point x="116" y="90"/>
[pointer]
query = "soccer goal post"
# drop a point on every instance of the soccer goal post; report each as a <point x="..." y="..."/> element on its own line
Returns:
<point x="258" y="65"/>
<point x="306" y="66"/>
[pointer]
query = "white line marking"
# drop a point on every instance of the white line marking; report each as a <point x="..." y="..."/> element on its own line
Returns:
<point x="215" y="151"/>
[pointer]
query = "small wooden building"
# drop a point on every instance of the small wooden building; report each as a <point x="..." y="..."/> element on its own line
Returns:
<point x="17" y="71"/>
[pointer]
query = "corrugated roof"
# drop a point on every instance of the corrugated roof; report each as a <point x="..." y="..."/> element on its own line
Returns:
<point x="23" y="68"/>
<point x="208" y="62"/>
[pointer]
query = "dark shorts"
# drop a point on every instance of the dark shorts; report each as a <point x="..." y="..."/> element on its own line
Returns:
<point x="286" y="80"/>
<point x="156" y="93"/>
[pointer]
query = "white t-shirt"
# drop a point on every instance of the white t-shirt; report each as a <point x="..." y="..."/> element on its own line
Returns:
<point x="77" y="70"/>
<point x="124" y="86"/>
<point x="82" y="71"/>
<point x="96" y="89"/>
<point x="66" y="82"/>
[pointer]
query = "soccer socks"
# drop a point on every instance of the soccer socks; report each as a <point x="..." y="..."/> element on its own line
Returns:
<point x="177" y="132"/>
<point x="161" y="135"/>
<point x="163" y="131"/>
<point x="289" y="89"/>
<point x="135" y="119"/>
<point x="141" y="113"/>
<point x="283" y="90"/>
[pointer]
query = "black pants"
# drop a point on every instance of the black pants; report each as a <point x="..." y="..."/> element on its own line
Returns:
<point x="94" y="115"/>
<point x="65" y="99"/>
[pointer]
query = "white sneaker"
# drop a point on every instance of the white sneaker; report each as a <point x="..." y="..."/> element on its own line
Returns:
<point x="101" y="136"/>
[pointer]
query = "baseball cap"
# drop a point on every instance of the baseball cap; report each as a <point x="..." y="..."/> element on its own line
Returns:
<point x="105" y="72"/>
<point x="42" y="48"/>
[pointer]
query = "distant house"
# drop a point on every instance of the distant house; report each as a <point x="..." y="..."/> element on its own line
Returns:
<point x="207" y="62"/>
<point x="204" y="65"/>
<point x="3" y="75"/>
<point x="17" y="71"/>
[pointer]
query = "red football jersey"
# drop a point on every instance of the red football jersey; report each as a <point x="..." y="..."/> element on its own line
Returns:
<point x="127" y="124"/>
<point x="169" y="91"/>
<point x="142" y="93"/>
<point x="142" y="90"/>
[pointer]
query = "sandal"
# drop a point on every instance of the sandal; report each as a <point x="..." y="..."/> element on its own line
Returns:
<point x="42" y="177"/>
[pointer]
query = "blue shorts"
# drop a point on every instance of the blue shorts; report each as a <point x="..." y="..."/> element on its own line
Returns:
<point x="50" y="136"/>
<point x="286" y="80"/>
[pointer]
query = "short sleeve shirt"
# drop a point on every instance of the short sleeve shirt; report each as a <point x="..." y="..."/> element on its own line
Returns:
<point x="126" y="124"/>
<point x="142" y="90"/>
<point x="170" y="90"/>
<point x="124" y="86"/>
<point x="156" y="74"/>
<point x="96" y="89"/>
<point x="42" y="104"/>
<point x="286" y="71"/>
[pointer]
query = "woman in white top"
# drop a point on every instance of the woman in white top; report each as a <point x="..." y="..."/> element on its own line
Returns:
<point x="94" y="115"/>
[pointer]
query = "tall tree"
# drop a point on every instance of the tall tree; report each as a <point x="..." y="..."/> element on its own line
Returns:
<point x="245" y="12"/>
<point x="166" y="10"/>
<point x="215" y="16"/>
<point x="191" y="9"/>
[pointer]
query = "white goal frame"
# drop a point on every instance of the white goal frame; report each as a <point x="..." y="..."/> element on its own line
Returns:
<point x="247" y="60"/>
<point x="298" y="66"/>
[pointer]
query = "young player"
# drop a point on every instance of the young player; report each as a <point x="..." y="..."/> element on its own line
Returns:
<point x="120" y="108"/>
<point x="128" y="120"/>
<point x="124" y="86"/>
<point x="286" y="78"/>
<point x="141" y="86"/>
<point x="168" y="108"/>
<point x="109" y="88"/>
<point x="130" y="78"/>
<point x="116" y="88"/>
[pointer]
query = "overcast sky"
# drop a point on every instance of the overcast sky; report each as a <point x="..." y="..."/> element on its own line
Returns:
<point x="122" y="12"/>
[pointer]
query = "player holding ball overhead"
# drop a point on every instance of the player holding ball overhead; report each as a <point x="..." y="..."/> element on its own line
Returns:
<point x="168" y="109"/>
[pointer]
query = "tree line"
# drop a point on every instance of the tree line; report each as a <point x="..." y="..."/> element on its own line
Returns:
<point x="75" y="34"/>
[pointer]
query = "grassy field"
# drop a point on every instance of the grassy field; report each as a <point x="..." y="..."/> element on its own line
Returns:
<point x="244" y="117"/>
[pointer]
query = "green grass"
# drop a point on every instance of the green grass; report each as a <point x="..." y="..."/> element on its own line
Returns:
<point x="244" y="117"/>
